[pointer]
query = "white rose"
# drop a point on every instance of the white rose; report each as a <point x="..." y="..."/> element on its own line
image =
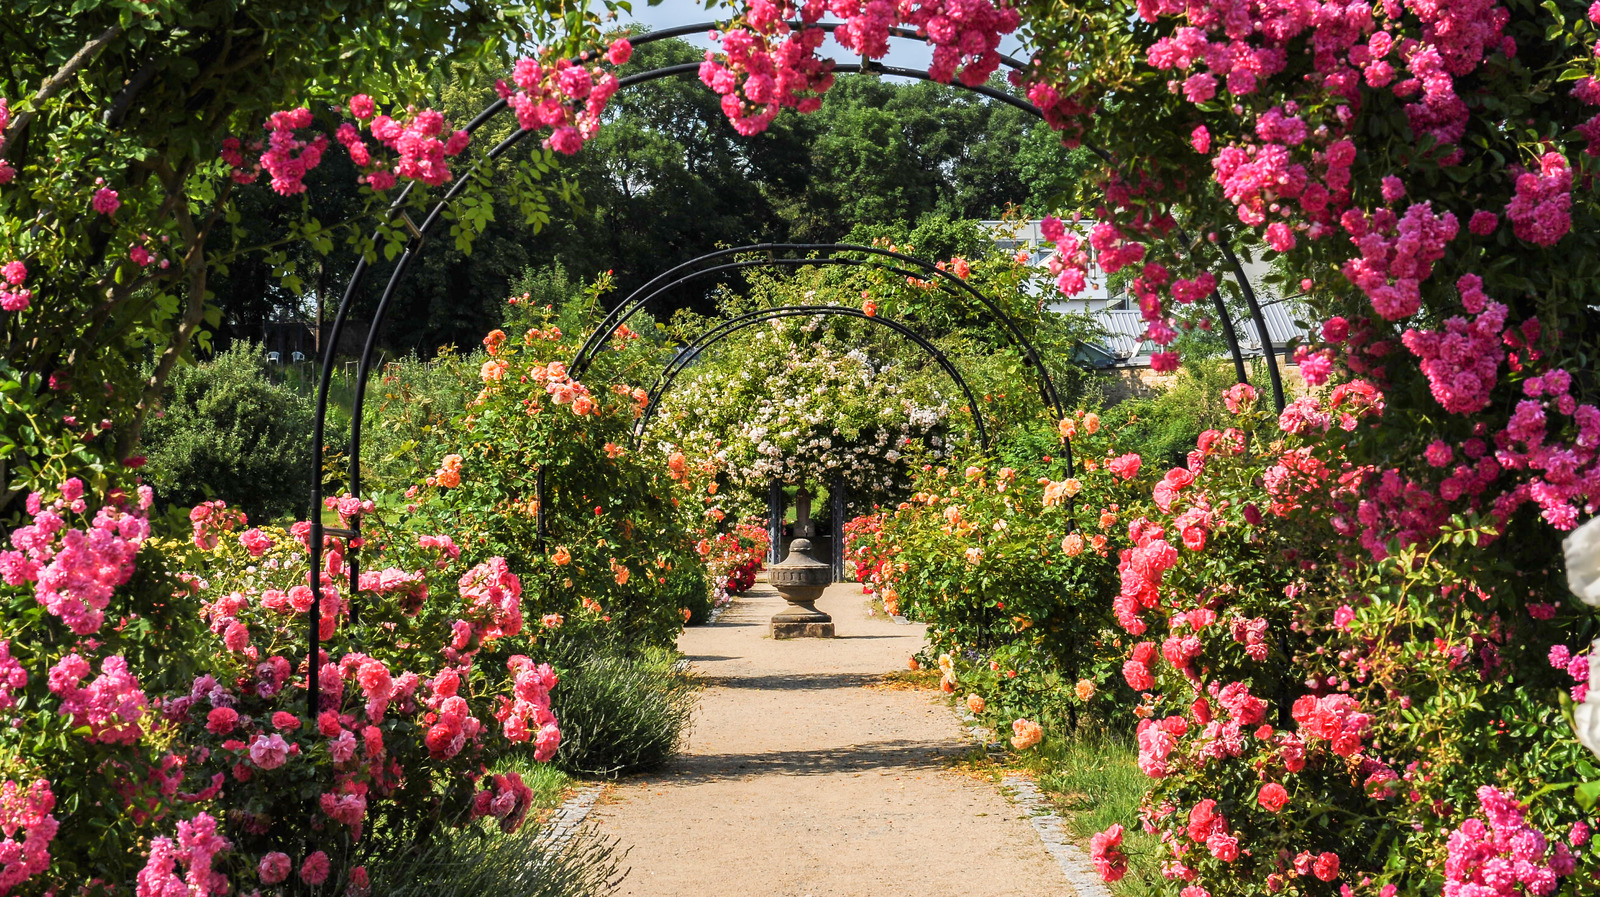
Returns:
<point x="1586" y="716"/>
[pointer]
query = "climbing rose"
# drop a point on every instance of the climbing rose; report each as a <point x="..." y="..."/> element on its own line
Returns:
<point x="105" y="201"/>
<point x="1025" y="734"/>
<point x="1273" y="796"/>
<point x="314" y="871"/>
<point x="1105" y="850"/>
<point x="274" y="868"/>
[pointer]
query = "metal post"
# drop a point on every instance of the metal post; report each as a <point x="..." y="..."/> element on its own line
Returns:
<point x="775" y="521"/>
<point x="836" y="512"/>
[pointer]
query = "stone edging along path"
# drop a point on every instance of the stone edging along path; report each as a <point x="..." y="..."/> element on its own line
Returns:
<point x="810" y="775"/>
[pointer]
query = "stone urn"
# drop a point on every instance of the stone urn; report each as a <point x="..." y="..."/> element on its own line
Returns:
<point x="800" y="579"/>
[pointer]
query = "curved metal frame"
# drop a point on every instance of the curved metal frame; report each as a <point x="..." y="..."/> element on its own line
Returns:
<point x="704" y="341"/>
<point x="414" y="247"/>
<point x="639" y="298"/>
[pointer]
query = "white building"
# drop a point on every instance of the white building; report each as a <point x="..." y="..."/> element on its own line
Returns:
<point x="1124" y="345"/>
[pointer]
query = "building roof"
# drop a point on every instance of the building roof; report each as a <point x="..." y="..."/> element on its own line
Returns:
<point x="1124" y="344"/>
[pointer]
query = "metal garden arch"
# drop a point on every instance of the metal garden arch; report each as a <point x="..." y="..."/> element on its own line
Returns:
<point x="419" y="234"/>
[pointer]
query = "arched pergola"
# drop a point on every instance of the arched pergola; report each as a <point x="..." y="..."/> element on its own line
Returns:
<point x="704" y="341"/>
<point x="420" y="233"/>
<point x="808" y="254"/>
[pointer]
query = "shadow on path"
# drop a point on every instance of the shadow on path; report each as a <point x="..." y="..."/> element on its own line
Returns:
<point x="898" y="755"/>
<point x="792" y="681"/>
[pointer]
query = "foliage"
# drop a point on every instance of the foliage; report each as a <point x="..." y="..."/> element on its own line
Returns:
<point x="227" y="429"/>
<point x="623" y="710"/>
<point x="529" y="863"/>
<point x="989" y="558"/>
<point x="115" y="203"/>
<point x="1166" y="425"/>
<point x="614" y="553"/>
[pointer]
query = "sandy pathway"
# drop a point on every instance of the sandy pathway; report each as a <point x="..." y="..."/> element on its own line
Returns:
<point x="802" y="782"/>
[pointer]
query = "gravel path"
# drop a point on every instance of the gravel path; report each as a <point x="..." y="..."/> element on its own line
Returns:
<point x="802" y="779"/>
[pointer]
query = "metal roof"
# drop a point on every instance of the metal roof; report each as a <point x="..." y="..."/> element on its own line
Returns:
<point x="1125" y="344"/>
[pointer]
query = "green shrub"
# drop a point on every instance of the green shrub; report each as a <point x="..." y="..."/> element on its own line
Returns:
<point x="622" y="710"/>
<point x="228" y="430"/>
<point x="482" y="862"/>
<point x="407" y="400"/>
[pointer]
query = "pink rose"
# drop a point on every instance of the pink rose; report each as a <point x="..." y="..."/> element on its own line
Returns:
<point x="269" y="751"/>
<point x="221" y="720"/>
<point x="274" y="868"/>
<point x="314" y="871"/>
<point x="1273" y="796"/>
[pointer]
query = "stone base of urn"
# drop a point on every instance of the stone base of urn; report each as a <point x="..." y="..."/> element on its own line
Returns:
<point x="814" y="625"/>
<point x="800" y="579"/>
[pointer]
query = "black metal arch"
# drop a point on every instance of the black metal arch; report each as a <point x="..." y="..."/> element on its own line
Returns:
<point x="415" y="246"/>
<point x="690" y="270"/>
<point x="704" y="341"/>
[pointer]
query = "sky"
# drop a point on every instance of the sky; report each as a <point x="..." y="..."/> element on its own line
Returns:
<point x="669" y="13"/>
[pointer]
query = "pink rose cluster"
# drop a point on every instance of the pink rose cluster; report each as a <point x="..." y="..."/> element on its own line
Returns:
<point x="1462" y="361"/>
<point x="409" y="589"/>
<point x="25" y="811"/>
<point x="1105" y="851"/>
<point x="13" y="295"/>
<point x="288" y="158"/>
<point x="211" y="520"/>
<point x="1289" y="174"/>
<point x="349" y="507"/>
<point x="1141" y="569"/>
<point x="506" y="798"/>
<point x="1336" y="718"/>
<point x="7" y="172"/>
<point x="768" y="64"/>
<point x="420" y="153"/>
<point x="196" y="849"/>
<point x="1506" y="857"/>
<point x="111" y="706"/>
<point x="492" y="596"/>
<point x="566" y="97"/>
<point x="1541" y="209"/>
<point x="454" y="725"/>
<point x="74" y="571"/>
<point x="1070" y="261"/>
<point x="13" y="678"/>
<point x="1397" y="255"/>
<point x="528" y="714"/>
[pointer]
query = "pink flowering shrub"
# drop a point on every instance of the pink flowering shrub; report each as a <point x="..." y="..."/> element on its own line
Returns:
<point x="769" y="56"/>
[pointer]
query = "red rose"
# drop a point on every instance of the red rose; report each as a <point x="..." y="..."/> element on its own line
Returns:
<point x="1273" y="796"/>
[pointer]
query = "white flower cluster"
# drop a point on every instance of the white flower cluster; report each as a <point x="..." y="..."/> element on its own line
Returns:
<point x="784" y="407"/>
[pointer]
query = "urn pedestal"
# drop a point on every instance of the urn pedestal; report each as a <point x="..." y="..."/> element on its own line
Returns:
<point x="800" y="579"/>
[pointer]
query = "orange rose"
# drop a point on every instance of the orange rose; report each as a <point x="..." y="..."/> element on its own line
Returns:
<point x="562" y="556"/>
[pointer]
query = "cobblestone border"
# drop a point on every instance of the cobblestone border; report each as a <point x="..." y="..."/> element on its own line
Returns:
<point x="566" y="820"/>
<point x="1052" y="829"/>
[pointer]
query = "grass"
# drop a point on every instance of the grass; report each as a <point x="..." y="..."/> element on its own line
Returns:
<point x="550" y="785"/>
<point x="1094" y="782"/>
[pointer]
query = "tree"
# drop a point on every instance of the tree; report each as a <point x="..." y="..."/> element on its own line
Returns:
<point x="115" y="191"/>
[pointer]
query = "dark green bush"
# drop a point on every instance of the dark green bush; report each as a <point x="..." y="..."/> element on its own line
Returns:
<point x="622" y="710"/>
<point x="227" y="430"/>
